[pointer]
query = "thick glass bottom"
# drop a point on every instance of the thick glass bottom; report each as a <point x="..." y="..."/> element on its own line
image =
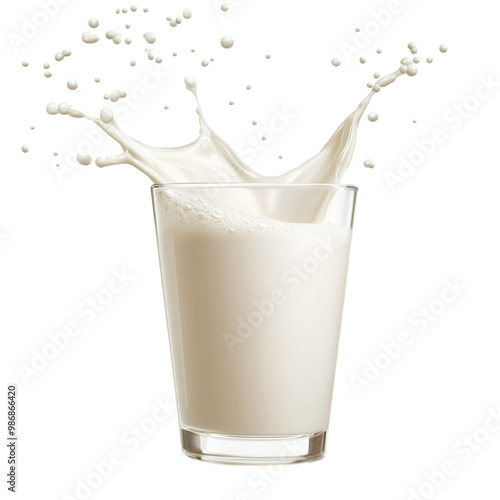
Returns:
<point x="252" y="450"/>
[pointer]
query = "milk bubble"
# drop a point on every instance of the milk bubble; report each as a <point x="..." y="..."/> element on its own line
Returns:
<point x="89" y="37"/>
<point x="369" y="164"/>
<point x="93" y="22"/>
<point x="187" y="14"/>
<point x="83" y="159"/>
<point x="429" y="60"/>
<point x="204" y="63"/>
<point x="443" y="48"/>
<point x="25" y="148"/>
<point x="227" y="42"/>
<point x="336" y="61"/>
<point x="47" y="74"/>
<point x="106" y="115"/>
<point x="25" y="64"/>
<point x="72" y="84"/>
<point x="373" y="117"/>
<point x="224" y="7"/>
<point x="46" y="65"/>
<point x="150" y="37"/>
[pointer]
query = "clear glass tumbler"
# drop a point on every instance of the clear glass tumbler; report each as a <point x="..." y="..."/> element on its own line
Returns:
<point x="254" y="279"/>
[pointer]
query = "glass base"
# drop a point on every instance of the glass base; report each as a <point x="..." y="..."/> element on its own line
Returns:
<point x="249" y="450"/>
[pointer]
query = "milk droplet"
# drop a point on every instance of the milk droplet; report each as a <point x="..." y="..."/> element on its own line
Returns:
<point x="211" y="59"/>
<point x="373" y="117"/>
<point x="187" y="14"/>
<point x="52" y="108"/>
<point x="25" y="64"/>
<point x="414" y="50"/>
<point x="169" y="18"/>
<point x="416" y="60"/>
<point x="63" y="108"/>
<point x="254" y="123"/>
<point x="83" y="159"/>
<point x="158" y="60"/>
<point x="227" y="42"/>
<point x="76" y="114"/>
<point x="336" y="61"/>
<point x="231" y="103"/>
<point x="111" y="34"/>
<point x="414" y="121"/>
<point x="379" y="51"/>
<point x="117" y="40"/>
<point x="429" y="60"/>
<point x="145" y="9"/>
<point x="193" y="50"/>
<point x="133" y="8"/>
<point x="150" y="37"/>
<point x="405" y="61"/>
<point x="174" y="54"/>
<point x="280" y="157"/>
<point x="224" y="7"/>
<point x="190" y="82"/>
<point x="369" y="85"/>
<point x="443" y="48"/>
<point x="376" y="75"/>
<point x="249" y="87"/>
<point x="72" y="84"/>
<point x="369" y="164"/>
<point x="204" y="63"/>
<point x="93" y="22"/>
<point x="32" y="127"/>
<point x="376" y="88"/>
<point x="362" y="60"/>
<point x="411" y="45"/>
<point x="25" y="148"/>
<point x="357" y="30"/>
<point x="165" y="107"/>
<point x="403" y="69"/>
<point x="387" y="79"/>
<point x="127" y="26"/>
<point x="263" y="137"/>
<point x="106" y="115"/>
<point x="268" y="56"/>
<point x="89" y="37"/>
<point x="412" y="70"/>
<point x="132" y="63"/>
<point x="47" y="74"/>
<point x="117" y="11"/>
<point x="178" y="20"/>
<point x="59" y="56"/>
<point x="123" y="94"/>
<point x="115" y="95"/>
<point x="66" y="53"/>
<point x="173" y="23"/>
<point x="56" y="153"/>
<point x="151" y="56"/>
<point x="105" y="97"/>
<point x="128" y="41"/>
<point x="46" y="65"/>
<point x="124" y="11"/>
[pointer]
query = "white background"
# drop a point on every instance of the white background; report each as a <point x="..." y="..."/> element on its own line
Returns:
<point x="62" y="235"/>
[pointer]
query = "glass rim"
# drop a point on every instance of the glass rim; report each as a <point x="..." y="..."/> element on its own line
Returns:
<point x="223" y="185"/>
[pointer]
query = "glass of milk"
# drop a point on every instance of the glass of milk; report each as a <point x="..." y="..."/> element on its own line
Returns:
<point x="254" y="278"/>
